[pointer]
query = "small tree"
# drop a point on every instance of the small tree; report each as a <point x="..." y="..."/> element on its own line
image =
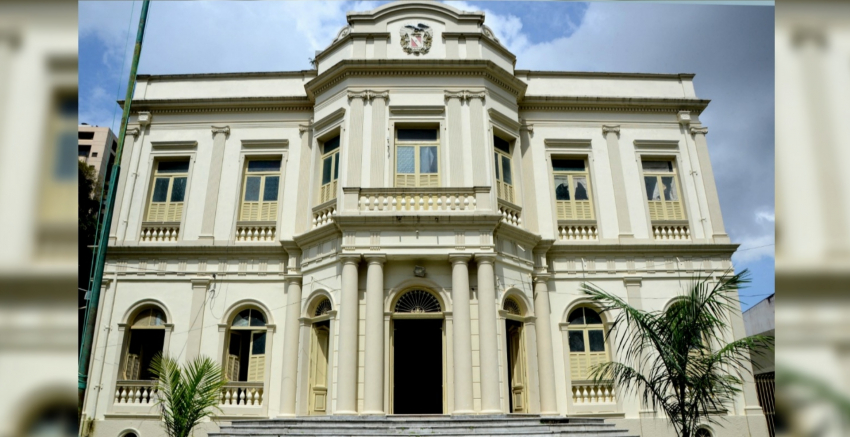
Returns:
<point x="677" y="359"/>
<point x="188" y="395"/>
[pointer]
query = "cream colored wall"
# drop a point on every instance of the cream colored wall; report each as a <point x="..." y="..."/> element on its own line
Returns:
<point x="608" y="85"/>
<point x="222" y="86"/>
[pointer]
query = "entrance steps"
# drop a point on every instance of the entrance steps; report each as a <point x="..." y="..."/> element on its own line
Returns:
<point x="424" y="425"/>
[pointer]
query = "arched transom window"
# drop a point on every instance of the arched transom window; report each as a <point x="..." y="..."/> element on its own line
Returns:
<point x="418" y="301"/>
<point x="147" y="335"/>
<point x="246" y="349"/>
<point x="322" y="308"/>
<point x="512" y="307"/>
<point x="586" y="336"/>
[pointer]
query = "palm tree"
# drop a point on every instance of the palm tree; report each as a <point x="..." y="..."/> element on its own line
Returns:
<point x="678" y="359"/>
<point x="186" y="395"/>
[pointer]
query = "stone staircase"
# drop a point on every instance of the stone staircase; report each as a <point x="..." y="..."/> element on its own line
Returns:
<point x="412" y="425"/>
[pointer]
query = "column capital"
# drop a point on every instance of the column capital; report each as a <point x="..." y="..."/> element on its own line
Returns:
<point x="350" y="258"/>
<point x="200" y="282"/>
<point x="363" y="95"/>
<point x="485" y="258"/>
<point x="525" y="126"/>
<point x="287" y="278"/>
<point x="632" y="280"/>
<point x="375" y="258"/>
<point x="220" y="130"/>
<point x="610" y="128"/>
<point x="699" y="130"/>
<point x="541" y="277"/>
<point x="466" y="95"/>
<point x="134" y="131"/>
<point x="305" y="127"/>
<point x="371" y="94"/>
<point x="105" y="282"/>
<point x="144" y="118"/>
<point x="456" y="258"/>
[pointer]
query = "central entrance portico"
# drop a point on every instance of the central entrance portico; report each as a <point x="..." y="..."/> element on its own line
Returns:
<point x="417" y="355"/>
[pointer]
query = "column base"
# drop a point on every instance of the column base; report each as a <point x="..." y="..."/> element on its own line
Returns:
<point x="491" y="412"/>
<point x="346" y="413"/>
<point x="462" y="412"/>
<point x="373" y="413"/>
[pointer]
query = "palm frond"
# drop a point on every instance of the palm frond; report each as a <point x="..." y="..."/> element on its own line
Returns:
<point x="186" y="395"/>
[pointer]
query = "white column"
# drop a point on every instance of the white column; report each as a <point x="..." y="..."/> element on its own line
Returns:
<point x="709" y="185"/>
<point x="346" y="402"/>
<point x="220" y="134"/>
<point x="374" y="356"/>
<point x="611" y="134"/>
<point x="291" y="331"/>
<point x="462" y="334"/>
<point x="487" y="338"/>
<point x="545" y="358"/>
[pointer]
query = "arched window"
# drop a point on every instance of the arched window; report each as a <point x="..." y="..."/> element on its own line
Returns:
<point x="586" y="335"/>
<point x="322" y="308"/>
<point x="512" y="307"/>
<point x="703" y="432"/>
<point x="418" y="301"/>
<point x="246" y="349"/>
<point x="147" y="335"/>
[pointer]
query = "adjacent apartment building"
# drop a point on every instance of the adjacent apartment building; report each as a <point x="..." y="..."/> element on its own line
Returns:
<point x="97" y="147"/>
<point x="403" y="230"/>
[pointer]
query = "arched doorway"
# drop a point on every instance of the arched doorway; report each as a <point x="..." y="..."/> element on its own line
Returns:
<point x="516" y="359"/>
<point x="319" y="350"/>
<point x="418" y="341"/>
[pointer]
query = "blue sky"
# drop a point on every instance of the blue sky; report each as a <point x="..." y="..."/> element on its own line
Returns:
<point x="728" y="47"/>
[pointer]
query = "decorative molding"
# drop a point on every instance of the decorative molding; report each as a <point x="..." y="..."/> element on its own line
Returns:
<point x="607" y="128"/>
<point x="328" y="120"/>
<point x="489" y="33"/>
<point x="220" y="130"/>
<point x="632" y="281"/>
<point x="417" y="110"/>
<point x="508" y="122"/>
<point x="567" y="143"/>
<point x="684" y="117"/>
<point x="656" y="144"/>
<point x="369" y="95"/>
<point x="701" y="130"/>
<point x="305" y="127"/>
<point x="524" y="125"/>
<point x="218" y="104"/>
<point x="134" y="131"/>
<point x="611" y="104"/>
<point x="174" y="145"/>
<point x="345" y="31"/>
<point x="265" y="144"/>
<point x="144" y="118"/>
<point x="416" y="39"/>
<point x="464" y="95"/>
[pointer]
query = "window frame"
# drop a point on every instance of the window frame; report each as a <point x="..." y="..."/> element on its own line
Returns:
<point x="436" y="178"/>
<point x="571" y="204"/>
<point x="329" y="194"/>
<point x="253" y="331"/>
<point x="674" y="165"/>
<point x="131" y="328"/>
<point x="585" y="329"/>
<point x="154" y="175"/>
<point x="504" y="190"/>
<point x="272" y="217"/>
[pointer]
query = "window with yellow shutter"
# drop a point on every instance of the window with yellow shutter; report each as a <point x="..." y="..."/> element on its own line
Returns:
<point x="586" y="337"/>
<point x="330" y="169"/>
<point x="504" y="173"/>
<point x="662" y="190"/>
<point x="168" y="191"/>
<point x="246" y="349"/>
<point x="260" y="188"/>
<point x="573" y="198"/>
<point x="417" y="158"/>
<point x="145" y="340"/>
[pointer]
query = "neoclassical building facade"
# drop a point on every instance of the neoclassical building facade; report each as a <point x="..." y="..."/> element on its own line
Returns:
<point x="403" y="230"/>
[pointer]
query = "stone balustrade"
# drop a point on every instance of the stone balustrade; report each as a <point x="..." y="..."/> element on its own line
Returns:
<point x="431" y="199"/>
<point x="680" y="232"/>
<point x="510" y="213"/>
<point x="242" y="394"/>
<point x="256" y="233"/>
<point x="135" y="392"/>
<point x="159" y="232"/>
<point x="324" y="214"/>
<point x="590" y="393"/>
<point x="577" y="232"/>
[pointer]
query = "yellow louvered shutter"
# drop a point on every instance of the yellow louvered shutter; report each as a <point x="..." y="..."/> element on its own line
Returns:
<point x="156" y="212"/>
<point x="578" y="365"/>
<point x="256" y="368"/>
<point x="268" y="211"/>
<point x="232" y="373"/>
<point x="175" y="212"/>
<point x="132" y="367"/>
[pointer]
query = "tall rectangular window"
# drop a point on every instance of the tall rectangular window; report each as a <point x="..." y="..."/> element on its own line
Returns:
<point x="260" y="190"/>
<point x="168" y="191"/>
<point x="504" y="175"/>
<point x="417" y="158"/>
<point x="572" y="189"/>
<point x="330" y="169"/>
<point x="662" y="190"/>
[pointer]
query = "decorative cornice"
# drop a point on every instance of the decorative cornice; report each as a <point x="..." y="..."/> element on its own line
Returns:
<point x="220" y="130"/>
<point x="464" y="95"/>
<point x="218" y="104"/>
<point x="606" y="129"/>
<point x="611" y="104"/>
<point x="702" y="130"/>
<point x="144" y="118"/>
<point x="418" y="67"/>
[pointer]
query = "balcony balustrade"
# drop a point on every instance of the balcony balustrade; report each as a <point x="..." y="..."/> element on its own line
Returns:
<point x="425" y="200"/>
<point x="135" y="392"/>
<point x="242" y="394"/>
<point x="578" y="231"/>
<point x="160" y="232"/>
<point x="673" y="231"/>
<point x="511" y="214"/>
<point x="256" y="232"/>
<point x="590" y="393"/>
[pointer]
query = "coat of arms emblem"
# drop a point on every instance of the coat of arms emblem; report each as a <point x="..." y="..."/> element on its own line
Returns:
<point x="416" y="39"/>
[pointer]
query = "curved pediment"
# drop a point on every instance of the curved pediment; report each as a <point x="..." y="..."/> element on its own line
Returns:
<point x="412" y="31"/>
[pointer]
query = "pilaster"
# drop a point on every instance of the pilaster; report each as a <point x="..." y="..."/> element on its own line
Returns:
<point x="220" y="134"/>
<point x="480" y="152"/>
<point x="462" y="335"/>
<point x="379" y="147"/>
<point x="710" y="186"/>
<point x="291" y="333"/>
<point x="612" y="136"/>
<point x="455" y="162"/>
<point x="545" y="354"/>
<point x="354" y="155"/>
<point x="196" y="317"/>
<point x="304" y="214"/>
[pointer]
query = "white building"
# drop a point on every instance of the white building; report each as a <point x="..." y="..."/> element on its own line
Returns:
<point x="403" y="229"/>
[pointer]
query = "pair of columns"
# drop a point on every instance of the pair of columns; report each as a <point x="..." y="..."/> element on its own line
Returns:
<point x="462" y="338"/>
